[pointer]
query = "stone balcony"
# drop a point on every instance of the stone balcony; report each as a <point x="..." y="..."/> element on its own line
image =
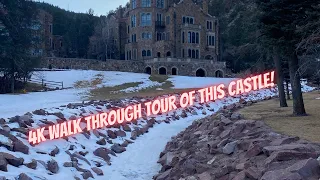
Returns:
<point x="190" y="26"/>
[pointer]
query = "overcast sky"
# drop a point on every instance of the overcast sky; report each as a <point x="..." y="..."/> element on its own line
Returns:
<point x="100" y="7"/>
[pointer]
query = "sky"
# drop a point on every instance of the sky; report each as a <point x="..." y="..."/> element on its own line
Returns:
<point x="100" y="7"/>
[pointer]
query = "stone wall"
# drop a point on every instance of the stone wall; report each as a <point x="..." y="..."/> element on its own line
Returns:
<point x="184" y="67"/>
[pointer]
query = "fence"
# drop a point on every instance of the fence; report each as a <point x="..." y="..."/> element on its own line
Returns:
<point x="48" y="84"/>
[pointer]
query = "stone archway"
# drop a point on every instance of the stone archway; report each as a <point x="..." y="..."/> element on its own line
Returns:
<point x="147" y="70"/>
<point x="200" y="73"/>
<point x="162" y="71"/>
<point x="174" y="71"/>
<point x="219" y="73"/>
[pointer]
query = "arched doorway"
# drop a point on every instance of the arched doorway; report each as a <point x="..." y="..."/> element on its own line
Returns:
<point x="158" y="54"/>
<point x="163" y="71"/>
<point x="174" y="71"/>
<point x="208" y="57"/>
<point x="200" y="73"/>
<point x="219" y="74"/>
<point x="148" y="70"/>
<point x="168" y="54"/>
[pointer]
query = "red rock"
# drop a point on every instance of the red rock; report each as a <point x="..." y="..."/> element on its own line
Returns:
<point x="308" y="168"/>
<point x="297" y="147"/>
<point x="240" y="176"/>
<point x="281" y="174"/>
<point x="287" y="155"/>
<point x="282" y="141"/>
<point x="253" y="173"/>
<point x="254" y="151"/>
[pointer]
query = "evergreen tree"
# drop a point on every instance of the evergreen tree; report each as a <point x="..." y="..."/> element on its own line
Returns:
<point x="16" y="18"/>
<point x="280" y="20"/>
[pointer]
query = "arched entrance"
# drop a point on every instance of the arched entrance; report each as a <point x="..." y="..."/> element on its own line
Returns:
<point x="163" y="71"/>
<point x="219" y="74"/>
<point x="174" y="71"/>
<point x="200" y="73"/>
<point x="147" y="70"/>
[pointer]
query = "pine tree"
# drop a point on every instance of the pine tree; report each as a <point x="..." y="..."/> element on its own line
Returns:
<point x="280" y="21"/>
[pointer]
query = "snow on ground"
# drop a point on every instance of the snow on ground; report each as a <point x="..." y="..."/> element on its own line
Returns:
<point x="12" y="105"/>
<point x="182" y="82"/>
<point x="138" y="162"/>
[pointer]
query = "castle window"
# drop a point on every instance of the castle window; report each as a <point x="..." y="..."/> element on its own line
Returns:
<point x="133" y="21"/>
<point x="197" y="54"/>
<point x="128" y="29"/>
<point x="146" y="3"/>
<point x="50" y="28"/>
<point x="133" y="38"/>
<point x="159" y="36"/>
<point x="193" y="37"/>
<point x="160" y="3"/>
<point x="146" y="35"/>
<point x="187" y="20"/>
<point x="197" y="38"/>
<point x="182" y="53"/>
<point x="134" y="4"/>
<point x="148" y="52"/>
<point x="146" y="19"/>
<point x="189" y="37"/>
<point x="209" y="25"/>
<point x="60" y="43"/>
<point x="182" y="37"/>
<point x="210" y="40"/>
<point x="144" y="53"/>
<point x="189" y="53"/>
<point x="168" y="20"/>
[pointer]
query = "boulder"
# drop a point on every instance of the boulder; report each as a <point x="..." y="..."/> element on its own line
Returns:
<point x="39" y="112"/>
<point x="3" y="164"/>
<point x="23" y="176"/>
<point x="134" y="135"/>
<point x="98" y="171"/>
<point x="54" y="152"/>
<point x="229" y="148"/>
<point x="12" y="160"/>
<point x="126" y="128"/>
<point x="32" y="165"/>
<point x="297" y="147"/>
<point x="103" y="153"/>
<point x="87" y="175"/>
<point x="102" y="142"/>
<point x="53" y="166"/>
<point x="308" y="168"/>
<point x="120" y="133"/>
<point x="117" y="148"/>
<point x="111" y="134"/>
<point x="280" y="174"/>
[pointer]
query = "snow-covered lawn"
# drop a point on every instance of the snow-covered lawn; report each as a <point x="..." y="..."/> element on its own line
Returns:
<point x="139" y="161"/>
<point x="12" y="105"/>
<point x="183" y="82"/>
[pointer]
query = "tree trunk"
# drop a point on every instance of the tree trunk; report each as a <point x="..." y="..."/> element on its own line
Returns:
<point x="12" y="76"/>
<point x="298" y="104"/>
<point x="287" y="89"/>
<point x="280" y="79"/>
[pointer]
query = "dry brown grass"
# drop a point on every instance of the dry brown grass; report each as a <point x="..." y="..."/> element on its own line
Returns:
<point x="108" y="92"/>
<point x="282" y="121"/>
<point x="93" y="83"/>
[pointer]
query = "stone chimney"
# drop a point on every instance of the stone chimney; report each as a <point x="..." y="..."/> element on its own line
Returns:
<point x="205" y="6"/>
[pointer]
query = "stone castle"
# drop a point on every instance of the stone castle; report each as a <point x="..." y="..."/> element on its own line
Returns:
<point x="169" y="37"/>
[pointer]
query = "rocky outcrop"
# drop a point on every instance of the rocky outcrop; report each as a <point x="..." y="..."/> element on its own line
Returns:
<point x="226" y="147"/>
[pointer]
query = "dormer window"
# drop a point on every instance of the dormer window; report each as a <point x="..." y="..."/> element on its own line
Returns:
<point x="187" y="20"/>
<point x="146" y="3"/>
